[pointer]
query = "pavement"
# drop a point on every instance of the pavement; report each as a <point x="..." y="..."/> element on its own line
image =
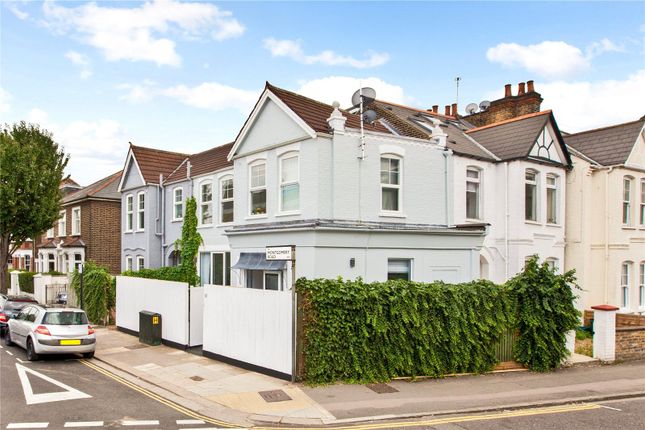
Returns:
<point x="234" y="395"/>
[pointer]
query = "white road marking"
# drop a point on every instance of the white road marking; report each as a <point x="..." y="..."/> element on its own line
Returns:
<point x="84" y="424"/>
<point x="139" y="423"/>
<point x="609" y="407"/>
<point x="9" y="352"/>
<point x="1" y="347"/>
<point x="27" y="425"/>
<point x="189" y="422"/>
<point x="19" y="360"/>
<point x="32" y="399"/>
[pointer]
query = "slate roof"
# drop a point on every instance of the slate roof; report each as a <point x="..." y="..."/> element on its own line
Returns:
<point x="513" y="138"/>
<point x="106" y="188"/>
<point x="608" y="146"/>
<point x="315" y="113"/>
<point x="153" y="162"/>
<point x="207" y="161"/>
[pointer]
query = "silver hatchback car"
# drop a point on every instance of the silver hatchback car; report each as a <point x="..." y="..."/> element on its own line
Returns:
<point x="43" y="330"/>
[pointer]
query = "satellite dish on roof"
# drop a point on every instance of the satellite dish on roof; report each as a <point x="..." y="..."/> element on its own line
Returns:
<point x="369" y="116"/>
<point x="484" y="105"/>
<point x="368" y="94"/>
<point x="472" y="108"/>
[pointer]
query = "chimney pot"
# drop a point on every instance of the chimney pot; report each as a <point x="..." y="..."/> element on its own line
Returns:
<point x="530" y="88"/>
<point x="447" y="110"/>
<point x="435" y="108"/>
<point x="520" y="89"/>
<point x="507" y="90"/>
<point x="454" y="110"/>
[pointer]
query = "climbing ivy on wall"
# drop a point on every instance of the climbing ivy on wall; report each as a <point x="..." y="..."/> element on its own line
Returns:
<point x="99" y="291"/>
<point x="189" y="243"/>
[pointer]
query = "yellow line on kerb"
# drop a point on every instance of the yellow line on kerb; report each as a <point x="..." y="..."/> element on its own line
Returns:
<point x="156" y="397"/>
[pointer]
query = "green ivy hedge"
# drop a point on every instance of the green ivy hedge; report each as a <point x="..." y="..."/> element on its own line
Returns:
<point x="26" y="282"/>
<point x="369" y="332"/>
<point x="174" y="273"/>
<point x="99" y="291"/>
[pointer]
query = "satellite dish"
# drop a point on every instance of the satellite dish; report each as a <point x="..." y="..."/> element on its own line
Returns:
<point x="369" y="95"/>
<point x="369" y="116"/>
<point x="472" y="108"/>
<point x="484" y="105"/>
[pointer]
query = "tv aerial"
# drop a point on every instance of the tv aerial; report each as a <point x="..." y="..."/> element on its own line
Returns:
<point x="472" y="108"/>
<point x="484" y="105"/>
<point x="361" y="98"/>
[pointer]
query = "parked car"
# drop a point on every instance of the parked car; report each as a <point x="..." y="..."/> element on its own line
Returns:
<point x="43" y="330"/>
<point x="10" y="306"/>
<point x="61" y="298"/>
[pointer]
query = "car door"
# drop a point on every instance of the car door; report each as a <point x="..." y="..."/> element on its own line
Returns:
<point x="20" y="325"/>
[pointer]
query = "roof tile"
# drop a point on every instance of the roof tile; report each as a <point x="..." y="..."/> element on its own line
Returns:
<point x="609" y="145"/>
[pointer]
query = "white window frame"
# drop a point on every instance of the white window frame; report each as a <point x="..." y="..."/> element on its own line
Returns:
<point x="141" y="262"/>
<point x="223" y="200"/>
<point x="641" y="287"/>
<point x="176" y="203"/>
<point x="410" y="266"/>
<point x="626" y="199"/>
<point x="62" y="223"/>
<point x="398" y="187"/>
<point x="536" y="201"/>
<point x="129" y="265"/>
<point x="205" y="203"/>
<point x="625" y="281"/>
<point x="76" y="221"/>
<point x="555" y="187"/>
<point x="264" y="273"/>
<point x="642" y="205"/>
<point x="141" y="212"/>
<point x="283" y="184"/>
<point x="50" y="233"/>
<point x="257" y="188"/>
<point x="478" y="182"/>
<point x="129" y="212"/>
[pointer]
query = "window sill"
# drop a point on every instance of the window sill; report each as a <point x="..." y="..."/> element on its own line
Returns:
<point x="628" y="227"/>
<point x="205" y="226"/>
<point x="177" y="220"/>
<point x="532" y="222"/>
<point x="252" y="217"/>
<point x="474" y="220"/>
<point x="225" y="224"/>
<point x="392" y="214"/>
<point x="550" y="224"/>
<point x="281" y="214"/>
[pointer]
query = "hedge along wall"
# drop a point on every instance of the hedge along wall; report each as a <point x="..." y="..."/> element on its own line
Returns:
<point x="26" y="282"/>
<point x="368" y="332"/>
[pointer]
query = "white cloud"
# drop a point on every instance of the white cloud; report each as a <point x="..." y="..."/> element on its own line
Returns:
<point x="96" y="148"/>
<point x="293" y="49"/>
<point x="5" y="101"/>
<point x="82" y="61"/>
<point x="549" y="59"/>
<point x="341" y="88"/>
<point x="134" y="34"/>
<point x="207" y="95"/>
<point x="13" y="7"/>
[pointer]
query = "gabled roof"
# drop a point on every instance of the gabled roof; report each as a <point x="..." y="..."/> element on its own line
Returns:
<point x="105" y="188"/>
<point x="315" y="113"/>
<point x="153" y="162"/>
<point x="207" y="161"/>
<point x="514" y="138"/>
<point x="608" y="146"/>
<point x="409" y="122"/>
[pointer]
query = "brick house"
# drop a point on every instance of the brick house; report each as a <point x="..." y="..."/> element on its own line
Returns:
<point x="89" y="228"/>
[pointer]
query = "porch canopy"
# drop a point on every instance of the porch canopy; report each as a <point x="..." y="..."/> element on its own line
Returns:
<point x="257" y="261"/>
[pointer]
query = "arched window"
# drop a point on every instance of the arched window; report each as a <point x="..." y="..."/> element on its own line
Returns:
<point x="289" y="182"/>
<point x="473" y="198"/>
<point x="206" y="203"/>
<point x="226" y="199"/>
<point x="257" y="188"/>
<point x="391" y="188"/>
<point x="531" y="195"/>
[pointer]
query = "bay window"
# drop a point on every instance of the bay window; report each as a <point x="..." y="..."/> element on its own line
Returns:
<point x="472" y="193"/>
<point x="390" y="184"/>
<point x="289" y="183"/>
<point x="129" y="212"/>
<point x="258" y="189"/>
<point x="641" y="288"/>
<point x="141" y="211"/>
<point x="530" y="195"/>
<point x="642" y="202"/>
<point x="206" y="203"/>
<point x="226" y="200"/>
<point x="625" y="279"/>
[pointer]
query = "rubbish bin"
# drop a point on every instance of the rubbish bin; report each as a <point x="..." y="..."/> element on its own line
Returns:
<point x="150" y="327"/>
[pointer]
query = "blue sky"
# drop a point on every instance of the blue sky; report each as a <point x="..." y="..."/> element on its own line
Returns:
<point x="183" y="76"/>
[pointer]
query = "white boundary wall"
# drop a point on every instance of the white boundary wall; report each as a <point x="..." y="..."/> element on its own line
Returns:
<point x="168" y="298"/>
<point x="248" y="325"/>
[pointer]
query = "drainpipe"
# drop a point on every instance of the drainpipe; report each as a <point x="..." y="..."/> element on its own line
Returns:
<point x="506" y="217"/>
<point x="445" y="184"/>
<point x="160" y="219"/>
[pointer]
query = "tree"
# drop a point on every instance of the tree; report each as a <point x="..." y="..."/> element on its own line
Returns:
<point x="189" y="243"/>
<point x="31" y="170"/>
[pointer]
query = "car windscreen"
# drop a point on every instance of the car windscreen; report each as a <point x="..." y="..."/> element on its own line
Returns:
<point x="16" y="305"/>
<point x="65" y="318"/>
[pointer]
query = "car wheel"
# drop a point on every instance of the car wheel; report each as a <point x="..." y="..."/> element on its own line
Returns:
<point x="7" y="338"/>
<point x="31" y="354"/>
<point x="88" y="355"/>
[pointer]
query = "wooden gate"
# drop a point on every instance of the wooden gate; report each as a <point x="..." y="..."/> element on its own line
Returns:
<point x="504" y="348"/>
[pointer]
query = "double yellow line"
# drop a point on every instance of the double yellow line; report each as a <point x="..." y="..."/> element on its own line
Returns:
<point x="372" y="426"/>
<point x="157" y="397"/>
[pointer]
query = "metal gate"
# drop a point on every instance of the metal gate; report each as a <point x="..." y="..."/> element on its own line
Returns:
<point x="60" y="295"/>
<point x="504" y="348"/>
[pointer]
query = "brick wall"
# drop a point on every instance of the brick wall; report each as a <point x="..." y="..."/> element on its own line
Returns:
<point x="622" y="320"/>
<point x="630" y="343"/>
<point x="508" y="107"/>
<point x="103" y="238"/>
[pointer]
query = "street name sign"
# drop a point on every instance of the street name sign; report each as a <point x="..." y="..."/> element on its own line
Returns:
<point x="279" y="253"/>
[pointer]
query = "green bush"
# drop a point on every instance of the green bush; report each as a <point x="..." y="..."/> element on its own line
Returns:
<point x="26" y="282"/>
<point x="367" y="332"/>
<point x="99" y="292"/>
<point x="545" y="312"/>
<point x="174" y="273"/>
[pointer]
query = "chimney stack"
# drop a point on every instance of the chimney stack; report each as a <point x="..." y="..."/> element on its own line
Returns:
<point x="507" y="90"/>
<point x="435" y="108"/>
<point x="454" y="110"/>
<point x="520" y="89"/>
<point x="447" y="110"/>
<point x="529" y="84"/>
